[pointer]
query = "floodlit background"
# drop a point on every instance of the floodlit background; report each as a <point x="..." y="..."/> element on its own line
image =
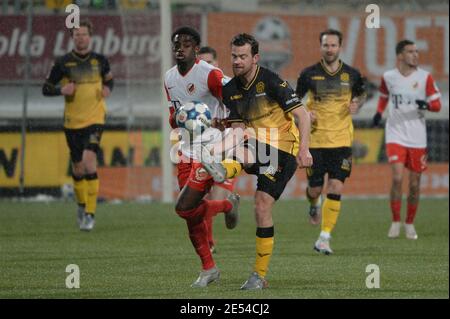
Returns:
<point x="128" y="33"/>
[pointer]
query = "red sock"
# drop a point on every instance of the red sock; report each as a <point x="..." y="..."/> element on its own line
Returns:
<point x="396" y="206"/>
<point x="411" y="213"/>
<point x="209" y="229"/>
<point x="198" y="236"/>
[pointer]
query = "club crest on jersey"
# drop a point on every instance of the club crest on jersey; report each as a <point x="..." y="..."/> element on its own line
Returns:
<point x="415" y="85"/>
<point x="260" y="87"/>
<point x="345" y="77"/>
<point x="201" y="174"/>
<point x="190" y="88"/>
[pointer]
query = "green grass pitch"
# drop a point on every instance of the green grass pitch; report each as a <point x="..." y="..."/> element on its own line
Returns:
<point x="143" y="251"/>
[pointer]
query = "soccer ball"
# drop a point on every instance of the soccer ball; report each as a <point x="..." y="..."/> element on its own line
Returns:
<point x="193" y="116"/>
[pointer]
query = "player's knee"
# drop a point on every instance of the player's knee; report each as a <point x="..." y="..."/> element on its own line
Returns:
<point x="180" y="207"/>
<point x="90" y="162"/>
<point x="397" y="179"/>
<point x="414" y="189"/>
<point x="335" y="187"/>
<point x="187" y="213"/>
<point x="78" y="169"/>
<point x="263" y="204"/>
<point x="183" y="207"/>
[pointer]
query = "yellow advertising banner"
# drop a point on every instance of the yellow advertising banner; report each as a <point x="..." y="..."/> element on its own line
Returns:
<point x="57" y="4"/>
<point x="47" y="161"/>
<point x="47" y="164"/>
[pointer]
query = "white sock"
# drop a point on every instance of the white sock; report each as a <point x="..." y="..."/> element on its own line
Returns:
<point x="325" y="234"/>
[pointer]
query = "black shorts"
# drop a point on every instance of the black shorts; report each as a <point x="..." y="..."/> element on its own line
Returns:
<point x="87" y="138"/>
<point x="273" y="168"/>
<point x="337" y="162"/>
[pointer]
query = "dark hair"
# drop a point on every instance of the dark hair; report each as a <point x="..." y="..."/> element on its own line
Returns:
<point x="401" y="45"/>
<point x="206" y="50"/>
<point x="84" y="23"/>
<point x="187" y="31"/>
<point x="331" y="32"/>
<point x="243" y="38"/>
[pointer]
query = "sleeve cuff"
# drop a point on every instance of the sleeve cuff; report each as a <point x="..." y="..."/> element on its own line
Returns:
<point x="293" y="108"/>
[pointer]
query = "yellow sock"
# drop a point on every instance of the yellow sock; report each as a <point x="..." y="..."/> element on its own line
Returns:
<point x="330" y="213"/>
<point x="264" y="248"/>
<point x="232" y="167"/>
<point x="80" y="190"/>
<point x="92" y="193"/>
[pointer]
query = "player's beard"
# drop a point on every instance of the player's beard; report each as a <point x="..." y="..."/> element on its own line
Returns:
<point x="330" y="59"/>
<point x="82" y="46"/>
<point x="241" y="71"/>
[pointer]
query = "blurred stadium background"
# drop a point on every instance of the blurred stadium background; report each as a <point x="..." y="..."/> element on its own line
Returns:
<point x="128" y="33"/>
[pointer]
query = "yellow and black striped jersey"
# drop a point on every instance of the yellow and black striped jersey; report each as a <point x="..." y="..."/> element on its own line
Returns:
<point x="264" y="105"/>
<point x="329" y="96"/>
<point x="87" y="106"/>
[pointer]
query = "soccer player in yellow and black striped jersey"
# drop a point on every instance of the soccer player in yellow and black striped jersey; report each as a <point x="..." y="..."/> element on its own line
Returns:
<point x="264" y="106"/>
<point x="84" y="79"/>
<point x="334" y="91"/>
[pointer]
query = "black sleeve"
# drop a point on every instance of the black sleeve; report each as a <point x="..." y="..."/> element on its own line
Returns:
<point x="51" y="87"/>
<point x="302" y="85"/>
<point x="234" y="116"/>
<point x="359" y="86"/>
<point x="106" y="73"/>
<point x="282" y="92"/>
<point x="105" y="66"/>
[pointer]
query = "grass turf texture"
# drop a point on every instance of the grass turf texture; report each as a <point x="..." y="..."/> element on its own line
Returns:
<point x="143" y="251"/>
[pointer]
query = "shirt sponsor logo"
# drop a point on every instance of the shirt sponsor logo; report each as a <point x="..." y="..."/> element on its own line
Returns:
<point x="295" y="99"/>
<point x="270" y="172"/>
<point x="236" y="97"/>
